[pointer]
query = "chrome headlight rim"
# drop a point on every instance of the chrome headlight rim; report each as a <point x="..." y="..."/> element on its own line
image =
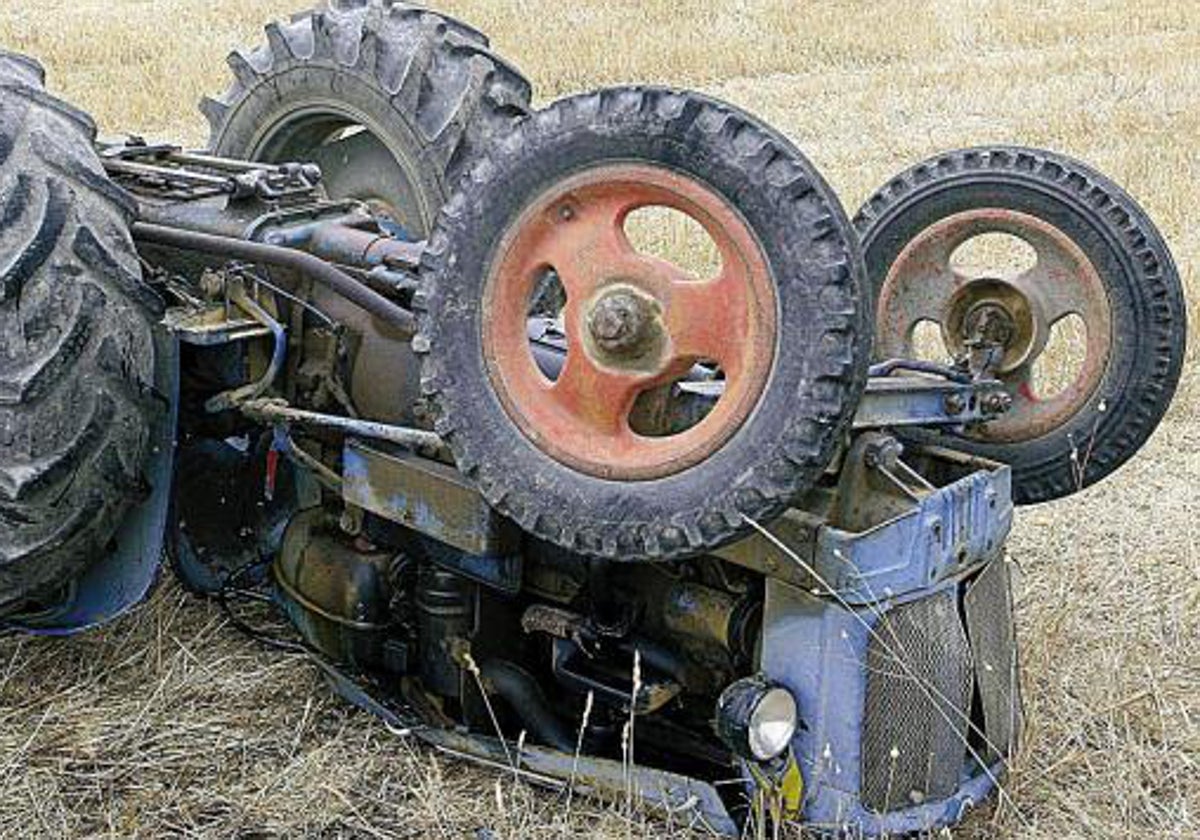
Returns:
<point x="757" y="718"/>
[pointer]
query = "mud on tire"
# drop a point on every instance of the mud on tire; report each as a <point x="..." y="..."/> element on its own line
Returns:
<point x="76" y="342"/>
<point x="427" y="89"/>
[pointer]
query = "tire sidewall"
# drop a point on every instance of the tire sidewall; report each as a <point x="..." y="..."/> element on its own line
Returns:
<point x="334" y="88"/>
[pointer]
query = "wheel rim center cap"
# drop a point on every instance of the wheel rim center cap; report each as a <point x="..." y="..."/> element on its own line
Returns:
<point x="990" y="323"/>
<point x="622" y="322"/>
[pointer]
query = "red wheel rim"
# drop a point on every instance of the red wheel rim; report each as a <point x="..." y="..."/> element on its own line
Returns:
<point x="633" y="322"/>
<point x="923" y="285"/>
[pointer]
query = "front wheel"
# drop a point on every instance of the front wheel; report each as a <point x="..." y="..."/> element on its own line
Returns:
<point x="1050" y="277"/>
<point x="585" y="454"/>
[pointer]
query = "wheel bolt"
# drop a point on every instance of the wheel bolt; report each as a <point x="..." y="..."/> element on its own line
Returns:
<point x="619" y="322"/>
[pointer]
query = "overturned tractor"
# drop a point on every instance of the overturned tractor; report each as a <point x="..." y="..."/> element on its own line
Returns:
<point x="386" y="357"/>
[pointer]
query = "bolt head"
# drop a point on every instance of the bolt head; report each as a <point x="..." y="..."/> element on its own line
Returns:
<point x="955" y="404"/>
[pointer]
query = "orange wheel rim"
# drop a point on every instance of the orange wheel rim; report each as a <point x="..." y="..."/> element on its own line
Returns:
<point x="633" y="322"/>
<point x="923" y="285"/>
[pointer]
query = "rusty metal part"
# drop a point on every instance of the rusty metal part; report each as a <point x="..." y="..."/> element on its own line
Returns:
<point x="428" y="497"/>
<point x="898" y="401"/>
<point x="210" y="325"/>
<point x="168" y="172"/>
<point x="632" y="322"/>
<point x="1002" y="321"/>
<point x="553" y="621"/>
<point x="621" y="322"/>
<point x="797" y="529"/>
<point x="702" y="613"/>
<point x="278" y="411"/>
<point x="875" y="484"/>
<point x="307" y="265"/>
<point x="336" y="591"/>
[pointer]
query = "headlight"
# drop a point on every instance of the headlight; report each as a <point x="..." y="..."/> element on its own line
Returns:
<point x="757" y="718"/>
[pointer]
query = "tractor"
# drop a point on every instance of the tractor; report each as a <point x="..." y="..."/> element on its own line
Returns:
<point x="384" y="364"/>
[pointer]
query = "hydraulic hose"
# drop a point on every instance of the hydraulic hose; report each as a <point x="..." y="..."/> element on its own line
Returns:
<point x="257" y="252"/>
<point x="521" y="691"/>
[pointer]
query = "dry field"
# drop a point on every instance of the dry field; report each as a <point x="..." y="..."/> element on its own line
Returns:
<point x="169" y="723"/>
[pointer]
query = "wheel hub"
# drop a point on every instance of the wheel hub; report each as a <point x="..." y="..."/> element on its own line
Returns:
<point x="990" y="324"/>
<point x="624" y="324"/>
<point x="995" y="322"/>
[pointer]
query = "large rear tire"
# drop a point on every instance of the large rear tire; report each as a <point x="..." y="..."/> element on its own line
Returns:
<point x="77" y="355"/>
<point x="389" y="99"/>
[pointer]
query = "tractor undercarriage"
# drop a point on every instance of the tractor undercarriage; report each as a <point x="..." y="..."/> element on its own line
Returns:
<point x="388" y="362"/>
<point x="429" y="607"/>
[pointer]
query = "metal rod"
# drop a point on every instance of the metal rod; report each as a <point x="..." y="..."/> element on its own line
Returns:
<point x="226" y="164"/>
<point x="179" y="176"/>
<point x="306" y="264"/>
<point x="230" y="399"/>
<point x="277" y="411"/>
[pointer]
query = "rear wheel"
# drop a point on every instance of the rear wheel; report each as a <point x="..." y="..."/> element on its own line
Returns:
<point x="389" y="99"/>
<point x="77" y="355"/>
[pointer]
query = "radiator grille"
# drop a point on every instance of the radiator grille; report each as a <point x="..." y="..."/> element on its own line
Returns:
<point x="989" y="610"/>
<point x="919" y="688"/>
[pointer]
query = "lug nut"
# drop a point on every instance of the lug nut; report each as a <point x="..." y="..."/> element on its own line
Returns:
<point x="997" y="403"/>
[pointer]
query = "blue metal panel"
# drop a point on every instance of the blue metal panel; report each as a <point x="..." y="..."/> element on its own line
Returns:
<point x="950" y="530"/>
<point x="818" y="649"/>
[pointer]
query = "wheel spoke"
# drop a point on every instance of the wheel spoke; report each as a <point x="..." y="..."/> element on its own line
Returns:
<point x="588" y="242"/>
<point x="920" y="284"/>
<point x="710" y="319"/>
<point x="1063" y="282"/>
<point x="599" y="398"/>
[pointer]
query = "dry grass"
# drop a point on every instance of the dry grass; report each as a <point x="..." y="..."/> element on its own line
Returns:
<point x="168" y="723"/>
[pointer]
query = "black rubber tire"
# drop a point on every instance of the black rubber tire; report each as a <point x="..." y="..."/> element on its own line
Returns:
<point x="823" y="323"/>
<point x="428" y="85"/>
<point x="1145" y="297"/>
<point x="77" y="355"/>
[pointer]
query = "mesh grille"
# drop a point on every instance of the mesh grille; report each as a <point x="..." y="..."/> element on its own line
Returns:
<point x="989" y="611"/>
<point x="914" y="738"/>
